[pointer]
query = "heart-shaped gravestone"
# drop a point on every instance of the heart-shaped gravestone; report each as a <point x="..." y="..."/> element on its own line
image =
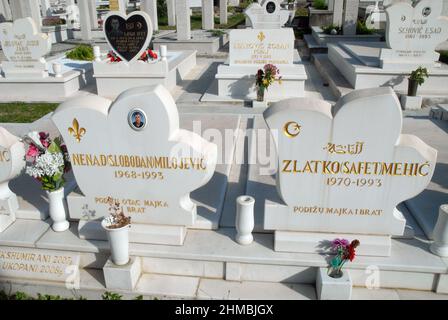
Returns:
<point x="128" y="36"/>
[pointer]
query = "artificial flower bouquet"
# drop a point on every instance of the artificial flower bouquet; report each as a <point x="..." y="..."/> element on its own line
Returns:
<point x="47" y="160"/>
<point x="116" y="218"/>
<point x="265" y="78"/>
<point x="345" y="251"/>
<point x="147" y="55"/>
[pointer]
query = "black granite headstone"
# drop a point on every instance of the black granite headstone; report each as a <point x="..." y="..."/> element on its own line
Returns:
<point x="126" y="36"/>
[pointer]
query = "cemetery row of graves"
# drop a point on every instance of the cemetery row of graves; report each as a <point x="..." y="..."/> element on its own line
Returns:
<point x="265" y="150"/>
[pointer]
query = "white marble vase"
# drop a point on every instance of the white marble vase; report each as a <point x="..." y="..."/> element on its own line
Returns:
<point x="244" y="219"/>
<point x="57" y="210"/>
<point x="440" y="233"/>
<point x="119" y="243"/>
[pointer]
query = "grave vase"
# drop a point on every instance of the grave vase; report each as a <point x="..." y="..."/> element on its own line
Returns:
<point x="244" y="219"/>
<point x="260" y="93"/>
<point x="119" y="243"/>
<point x="440" y="233"/>
<point x="333" y="288"/>
<point x="412" y="88"/>
<point x="57" y="210"/>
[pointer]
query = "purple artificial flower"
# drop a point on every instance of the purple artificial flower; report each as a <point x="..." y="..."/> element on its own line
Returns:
<point x="336" y="243"/>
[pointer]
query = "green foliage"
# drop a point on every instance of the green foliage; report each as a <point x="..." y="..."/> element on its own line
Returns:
<point x="111" y="296"/>
<point x="140" y="297"/>
<point x="50" y="297"/>
<point x="21" y="112"/>
<point x="443" y="56"/>
<point x="419" y="75"/>
<point x="162" y="10"/>
<point x="329" y="28"/>
<point x="320" y="5"/>
<point x="20" y="296"/>
<point x="23" y="296"/>
<point x="361" y="28"/>
<point x="82" y="52"/>
<point x="302" y="12"/>
<point x="245" y="3"/>
<point x="216" y="33"/>
<point x="53" y="21"/>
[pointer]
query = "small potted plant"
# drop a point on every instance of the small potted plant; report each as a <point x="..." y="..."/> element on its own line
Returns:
<point x="117" y="228"/>
<point x="47" y="162"/>
<point x="334" y="283"/>
<point x="265" y="78"/>
<point x="416" y="79"/>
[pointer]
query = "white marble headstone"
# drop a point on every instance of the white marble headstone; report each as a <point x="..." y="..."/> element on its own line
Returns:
<point x="73" y="20"/>
<point x="261" y="46"/>
<point x="148" y="164"/>
<point x="24" y="48"/>
<point x="413" y="33"/>
<point x="267" y="15"/>
<point x="12" y="162"/>
<point x="345" y="170"/>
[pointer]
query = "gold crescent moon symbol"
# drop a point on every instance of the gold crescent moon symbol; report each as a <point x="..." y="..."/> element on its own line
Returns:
<point x="291" y="129"/>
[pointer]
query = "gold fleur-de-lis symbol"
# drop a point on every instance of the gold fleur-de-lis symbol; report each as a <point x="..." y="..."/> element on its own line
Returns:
<point x="261" y="36"/>
<point x="76" y="131"/>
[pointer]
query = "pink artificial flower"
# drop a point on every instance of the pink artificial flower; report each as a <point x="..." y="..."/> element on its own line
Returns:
<point x="43" y="135"/>
<point x="33" y="151"/>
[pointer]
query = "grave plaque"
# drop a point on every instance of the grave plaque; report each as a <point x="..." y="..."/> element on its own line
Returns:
<point x="345" y="170"/>
<point x="50" y="265"/>
<point x="133" y="151"/>
<point x="128" y="36"/>
<point x="413" y="33"/>
<point x="12" y="161"/>
<point x="260" y="47"/>
<point x="24" y="48"/>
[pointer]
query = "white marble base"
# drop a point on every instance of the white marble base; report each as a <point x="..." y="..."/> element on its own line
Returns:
<point x="8" y="208"/>
<point x="259" y="104"/>
<point x="114" y="78"/>
<point x="202" y="41"/>
<point x="24" y="70"/>
<point x="49" y="89"/>
<point x="442" y="285"/>
<point x="313" y="242"/>
<point x="411" y="103"/>
<point x="333" y="289"/>
<point x="323" y="39"/>
<point x="122" y="277"/>
<point x="238" y="82"/>
<point x="138" y="233"/>
<point x="359" y="63"/>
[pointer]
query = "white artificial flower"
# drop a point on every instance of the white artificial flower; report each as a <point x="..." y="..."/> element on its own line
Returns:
<point x="110" y="220"/>
<point x="47" y="164"/>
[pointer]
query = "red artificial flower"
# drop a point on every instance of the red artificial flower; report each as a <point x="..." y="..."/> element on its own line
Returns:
<point x="152" y="54"/>
<point x="351" y="253"/>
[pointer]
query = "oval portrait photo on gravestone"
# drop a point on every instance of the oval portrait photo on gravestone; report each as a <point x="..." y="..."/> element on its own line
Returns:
<point x="270" y="7"/>
<point x="137" y="119"/>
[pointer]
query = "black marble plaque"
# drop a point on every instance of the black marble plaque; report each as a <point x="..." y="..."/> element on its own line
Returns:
<point x="126" y="36"/>
<point x="270" y="7"/>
